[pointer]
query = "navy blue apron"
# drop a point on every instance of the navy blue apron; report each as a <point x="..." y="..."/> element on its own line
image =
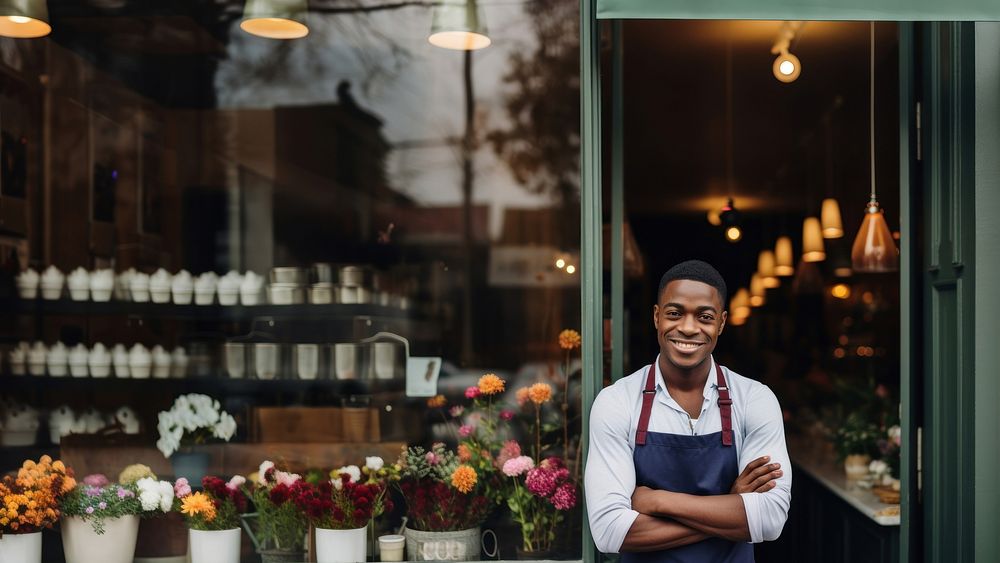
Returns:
<point x="697" y="465"/>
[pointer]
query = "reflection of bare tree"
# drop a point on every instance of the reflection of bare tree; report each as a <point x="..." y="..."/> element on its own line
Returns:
<point x="542" y="145"/>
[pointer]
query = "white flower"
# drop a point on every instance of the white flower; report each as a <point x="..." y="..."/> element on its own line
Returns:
<point x="225" y="427"/>
<point x="190" y="413"/>
<point x="287" y="479"/>
<point x="374" y="463"/>
<point x="263" y="469"/>
<point x="353" y="470"/>
<point x="337" y="483"/>
<point x="878" y="467"/>
<point x="166" y="496"/>
<point x="236" y="482"/>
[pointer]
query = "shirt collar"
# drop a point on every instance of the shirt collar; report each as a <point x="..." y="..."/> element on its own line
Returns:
<point x="711" y="382"/>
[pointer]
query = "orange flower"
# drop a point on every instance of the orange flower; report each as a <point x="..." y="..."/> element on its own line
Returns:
<point x="198" y="504"/>
<point x="464" y="454"/>
<point x="437" y="401"/>
<point x="569" y="339"/>
<point x="490" y="384"/>
<point x="540" y="393"/>
<point x="522" y="396"/>
<point x="464" y="478"/>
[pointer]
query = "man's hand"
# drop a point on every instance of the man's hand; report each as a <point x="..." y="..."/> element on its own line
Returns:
<point x="758" y="477"/>
<point x="644" y="501"/>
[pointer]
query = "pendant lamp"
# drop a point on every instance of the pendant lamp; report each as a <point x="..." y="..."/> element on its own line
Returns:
<point x="784" y="262"/>
<point x="24" y="19"/>
<point x="756" y="290"/>
<point x="459" y="25"/>
<point x="812" y="241"/>
<point x="874" y="250"/>
<point x="275" y="19"/>
<point x="830" y="219"/>
<point x="740" y="304"/>
<point x="765" y="267"/>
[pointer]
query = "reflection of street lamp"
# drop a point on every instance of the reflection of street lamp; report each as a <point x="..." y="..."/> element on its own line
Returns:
<point x="275" y="19"/>
<point x="459" y="25"/>
<point x="24" y="19"/>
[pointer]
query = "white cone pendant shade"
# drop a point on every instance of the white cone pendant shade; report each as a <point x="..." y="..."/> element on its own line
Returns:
<point x="756" y="290"/>
<point x="784" y="260"/>
<point x="459" y="25"/>
<point x="765" y="267"/>
<point x="812" y="241"/>
<point x="874" y="250"/>
<point x="275" y="19"/>
<point x="24" y="19"/>
<point x="740" y="305"/>
<point x="830" y="218"/>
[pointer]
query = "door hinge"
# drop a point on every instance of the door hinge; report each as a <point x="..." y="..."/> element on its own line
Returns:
<point x="920" y="462"/>
<point x="920" y="155"/>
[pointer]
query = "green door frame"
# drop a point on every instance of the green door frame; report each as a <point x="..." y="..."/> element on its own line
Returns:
<point x="968" y="216"/>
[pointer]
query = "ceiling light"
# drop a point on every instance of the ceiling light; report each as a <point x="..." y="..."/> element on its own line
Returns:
<point x="756" y="290"/>
<point x="740" y="304"/>
<point x="560" y="263"/>
<point x="830" y="219"/>
<point x="786" y="67"/>
<point x="784" y="262"/>
<point x="713" y="217"/>
<point x="459" y="25"/>
<point x="731" y="221"/>
<point x="812" y="241"/>
<point x="765" y="267"/>
<point x="570" y="269"/>
<point x="275" y="19"/>
<point x="24" y="19"/>
<point x="841" y="291"/>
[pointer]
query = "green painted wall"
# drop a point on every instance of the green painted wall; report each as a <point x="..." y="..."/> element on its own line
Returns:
<point x="863" y="10"/>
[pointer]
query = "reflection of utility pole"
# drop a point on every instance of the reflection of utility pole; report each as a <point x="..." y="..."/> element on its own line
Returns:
<point x="468" y="148"/>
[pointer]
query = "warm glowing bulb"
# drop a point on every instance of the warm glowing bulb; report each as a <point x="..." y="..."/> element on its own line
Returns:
<point x="734" y="234"/>
<point x="786" y="67"/>
<point x="18" y="19"/>
<point x="570" y="269"/>
<point x="713" y="217"/>
<point x="841" y="291"/>
<point x="275" y="28"/>
<point x="560" y="263"/>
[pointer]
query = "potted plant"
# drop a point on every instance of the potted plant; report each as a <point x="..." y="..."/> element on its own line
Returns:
<point x="538" y="498"/>
<point x="855" y="441"/>
<point x="101" y="519"/>
<point x="282" y="527"/>
<point x="213" y="518"/>
<point x="194" y="419"/>
<point x="29" y="502"/>
<point x="448" y="496"/>
<point x="342" y="508"/>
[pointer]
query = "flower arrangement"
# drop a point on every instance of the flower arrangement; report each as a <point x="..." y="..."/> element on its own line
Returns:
<point x="538" y="499"/>
<point x="30" y="501"/>
<point x="97" y="499"/>
<point x="856" y="436"/>
<point x="351" y="498"/>
<point x="569" y="340"/>
<point x="283" y="525"/>
<point x="888" y="448"/>
<point x="193" y="419"/>
<point x="217" y="507"/>
<point x="443" y="491"/>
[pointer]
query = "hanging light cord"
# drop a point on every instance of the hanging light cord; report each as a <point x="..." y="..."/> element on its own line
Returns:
<point x="729" y="117"/>
<point x="871" y="108"/>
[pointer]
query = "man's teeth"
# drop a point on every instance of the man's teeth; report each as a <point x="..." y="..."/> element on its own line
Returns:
<point x="686" y="345"/>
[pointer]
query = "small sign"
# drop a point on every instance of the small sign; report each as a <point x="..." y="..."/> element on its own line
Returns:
<point x="422" y="376"/>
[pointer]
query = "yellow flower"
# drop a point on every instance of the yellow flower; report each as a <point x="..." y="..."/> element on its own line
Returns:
<point x="464" y="478"/>
<point x="198" y="504"/>
<point x="569" y="339"/>
<point x="540" y="393"/>
<point x="437" y="401"/>
<point x="134" y="472"/>
<point x="490" y="384"/>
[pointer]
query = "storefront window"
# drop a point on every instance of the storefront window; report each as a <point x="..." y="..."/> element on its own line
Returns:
<point x="336" y="237"/>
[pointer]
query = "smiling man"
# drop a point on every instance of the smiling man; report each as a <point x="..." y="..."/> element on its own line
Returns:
<point x="687" y="458"/>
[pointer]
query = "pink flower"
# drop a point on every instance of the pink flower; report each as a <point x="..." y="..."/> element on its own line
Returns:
<point x="882" y="391"/>
<point x="286" y="479"/>
<point x="96" y="480"/>
<point x="182" y="488"/>
<point x="465" y="430"/>
<point x="517" y="466"/>
<point x="431" y="458"/>
<point x="540" y="482"/>
<point x="457" y="410"/>
<point x="510" y="450"/>
<point x="506" y="415"/>
<point x="565" y="497"/>
<point x="236" y="482"/>
<point x="472" y="392"/>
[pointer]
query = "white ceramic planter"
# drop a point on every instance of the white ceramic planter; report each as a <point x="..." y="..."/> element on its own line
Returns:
<point x="215" y="546"/>
<point x="81" y="544"/>
<point x="341" y="546"/>
<point x="856" y="466"/>
<point x="21" y="548"/>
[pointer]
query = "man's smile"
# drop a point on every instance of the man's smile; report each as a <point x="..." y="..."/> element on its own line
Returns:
<point x="686" y="345"/>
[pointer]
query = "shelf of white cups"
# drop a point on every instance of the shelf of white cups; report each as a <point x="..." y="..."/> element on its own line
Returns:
<point x="59" y="360"/>
<point x="137" y="287"/>
<point x="20" y="422"/>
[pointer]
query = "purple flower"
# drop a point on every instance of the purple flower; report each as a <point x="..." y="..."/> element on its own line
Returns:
<point x="102" y="505"/>
<point x="93" y="491"/>
<point x="96" y="480"/>
<point x="182" y="488"/>
<point x="90" y="510"/>
<point x="125" y="493"/>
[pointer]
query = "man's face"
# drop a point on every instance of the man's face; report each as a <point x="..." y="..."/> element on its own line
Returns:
<point x="689" y="319"/>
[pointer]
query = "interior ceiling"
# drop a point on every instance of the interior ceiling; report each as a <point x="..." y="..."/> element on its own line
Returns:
<point x="675" y="116"/>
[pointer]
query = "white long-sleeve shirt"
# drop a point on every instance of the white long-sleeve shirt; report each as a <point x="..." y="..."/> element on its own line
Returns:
<point x="609" y="479"/>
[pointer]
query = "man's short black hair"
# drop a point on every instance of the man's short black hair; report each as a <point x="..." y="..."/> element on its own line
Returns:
<point x="696" y="270"/>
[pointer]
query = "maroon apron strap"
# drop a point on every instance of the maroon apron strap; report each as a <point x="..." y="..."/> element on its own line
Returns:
<point x="725" y="408"/>
<point x="647" y="406"/>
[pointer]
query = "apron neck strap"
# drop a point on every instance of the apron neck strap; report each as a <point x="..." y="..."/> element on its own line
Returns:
<point x="649" y="391"/>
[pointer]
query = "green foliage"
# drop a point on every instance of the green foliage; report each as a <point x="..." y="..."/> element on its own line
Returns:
<point x="97" y="504"/>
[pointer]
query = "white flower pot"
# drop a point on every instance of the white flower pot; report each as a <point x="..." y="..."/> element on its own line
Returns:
<point x="856" y="466"/>
<point x="459" y="545"/>
<point x="215" y="546"/>
<point x="81" y="544"/>
<point x="341" y="546"/>
<point x="21" y="548"/>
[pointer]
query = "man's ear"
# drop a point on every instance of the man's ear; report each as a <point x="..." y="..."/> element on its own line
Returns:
<point x="656" y="315"/>
<point x="725" y="317"/>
